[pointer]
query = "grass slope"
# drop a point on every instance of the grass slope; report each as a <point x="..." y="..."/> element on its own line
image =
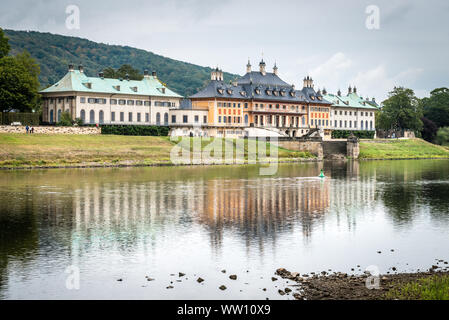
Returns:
<point x="427" y="288"/>
<point x="401" y="149"/>
<point x="21" y="150"/>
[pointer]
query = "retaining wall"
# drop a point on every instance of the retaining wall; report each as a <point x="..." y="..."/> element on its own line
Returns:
<point x="51" y="130"/>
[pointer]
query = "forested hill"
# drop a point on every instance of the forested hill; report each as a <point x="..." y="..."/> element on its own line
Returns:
<point x="55" y="52"/>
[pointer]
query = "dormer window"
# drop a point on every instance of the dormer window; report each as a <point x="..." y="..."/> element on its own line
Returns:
<point x="268" y="91"/>
<point x="312" y="97"/>
<point x="134" y="89"/>
<point x="162" y="90"/>
<point x="243" y="93"/>
<point x="292" y="93"/>
<point x="276" y="93"/>
<point x="257" y="91"/>
<point x="282" y="93"/>
<point x="320" y="98"/>
<point x="220" y="90"/>
<point x="229" y="91"/>
<point x="116" y="88"/>
<point x="88" y="85"/>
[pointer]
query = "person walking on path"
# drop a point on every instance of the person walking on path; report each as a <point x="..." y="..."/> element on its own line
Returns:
<point x="27" y="128"/>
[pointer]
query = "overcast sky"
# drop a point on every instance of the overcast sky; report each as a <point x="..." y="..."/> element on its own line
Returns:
<point x="328" y="40"/>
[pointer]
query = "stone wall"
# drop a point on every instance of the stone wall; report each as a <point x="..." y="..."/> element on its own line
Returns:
<point x="314" y="147"/>
<point x="352" y="149"/>
<point x="51" y="130"/>
<point x="332" y="148"/>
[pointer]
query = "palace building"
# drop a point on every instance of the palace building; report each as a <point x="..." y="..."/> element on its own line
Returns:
<point x="352" y="112"/>
<point x="109" y="101"/>
<point x="257" y="104"/>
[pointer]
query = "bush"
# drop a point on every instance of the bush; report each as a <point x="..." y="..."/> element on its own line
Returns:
<point x="442" y="137"/>
<point x="135" y="130"/>
<point x="79" y="121"/>
<point x="31" y="119"/>
<point x="344" y="134"/>
<point x="66" y="119"/>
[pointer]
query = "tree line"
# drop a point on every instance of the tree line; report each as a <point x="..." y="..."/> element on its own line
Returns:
<point x="19" y="83"/>
<point x="427" y="117"/>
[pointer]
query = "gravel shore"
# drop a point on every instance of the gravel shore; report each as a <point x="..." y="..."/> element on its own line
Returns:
<point x="341" y="286"/>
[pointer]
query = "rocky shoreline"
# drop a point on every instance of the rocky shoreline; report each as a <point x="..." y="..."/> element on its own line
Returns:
<point x="342" y="286"/>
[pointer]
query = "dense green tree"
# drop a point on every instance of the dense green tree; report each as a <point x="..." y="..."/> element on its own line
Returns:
<point x="429" y="129"/>
<point x="66" y="119"/>
<point x="19" y="83"/>
<point x="121" y="72"/>
<point x="443" y="136"/>
<point x="436" y="107"/>
<point x="4" y="45"/>
<point x="401" y="111"/>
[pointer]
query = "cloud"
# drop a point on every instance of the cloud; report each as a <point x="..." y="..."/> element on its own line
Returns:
<point x="335" y="65"/>
<point x="377" y="83"/>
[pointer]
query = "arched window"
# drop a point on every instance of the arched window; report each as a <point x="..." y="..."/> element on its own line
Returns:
<point x="59" y="115"/>
<point x="101" y="116"/>
<point x="83" y="115"/>
<point x="166" y="119"/>
<point x="92" y="116"/>
<point x="51" y="116"/>
<point x="158" y="118"/>
<point x="246" y="118"/>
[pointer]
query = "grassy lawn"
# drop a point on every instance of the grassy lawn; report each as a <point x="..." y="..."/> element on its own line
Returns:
<point x="21" y="150"/>
<point x="430" y="288"/>
<point x="401" y="149"/>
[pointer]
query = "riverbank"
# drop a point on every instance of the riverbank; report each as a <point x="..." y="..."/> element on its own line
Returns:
<point x="28" y="151"/>
<point x="430" y="285"/>
<point x="401" y="149"/>
<point x="22" y="151"/>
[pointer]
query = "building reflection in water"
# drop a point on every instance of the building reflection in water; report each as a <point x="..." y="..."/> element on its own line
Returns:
<point x="255" y="210"/>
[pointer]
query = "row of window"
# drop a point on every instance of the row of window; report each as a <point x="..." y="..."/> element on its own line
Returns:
<point x="362" y="113"/>
<point x="277" y="106"/>
<point x="229" y="119"/>
<point x="60" y="100"/>
<point x="319" y="122"/>
<point x="279" y="120"/>
<point x="185" y="119"/>
<point x="130" y="118"/>
<point x="348" y="124"/>
<point x="123" y="102"/>
<point x="319" y="109"/>
<point x="259" y="105"/>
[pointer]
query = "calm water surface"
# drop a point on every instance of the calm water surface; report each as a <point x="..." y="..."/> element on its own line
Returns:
<point x="130" y="223"/>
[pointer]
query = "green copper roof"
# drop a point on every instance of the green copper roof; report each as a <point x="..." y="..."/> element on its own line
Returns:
<point x="351" y="100"/>
<point x="78" y="81"/>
